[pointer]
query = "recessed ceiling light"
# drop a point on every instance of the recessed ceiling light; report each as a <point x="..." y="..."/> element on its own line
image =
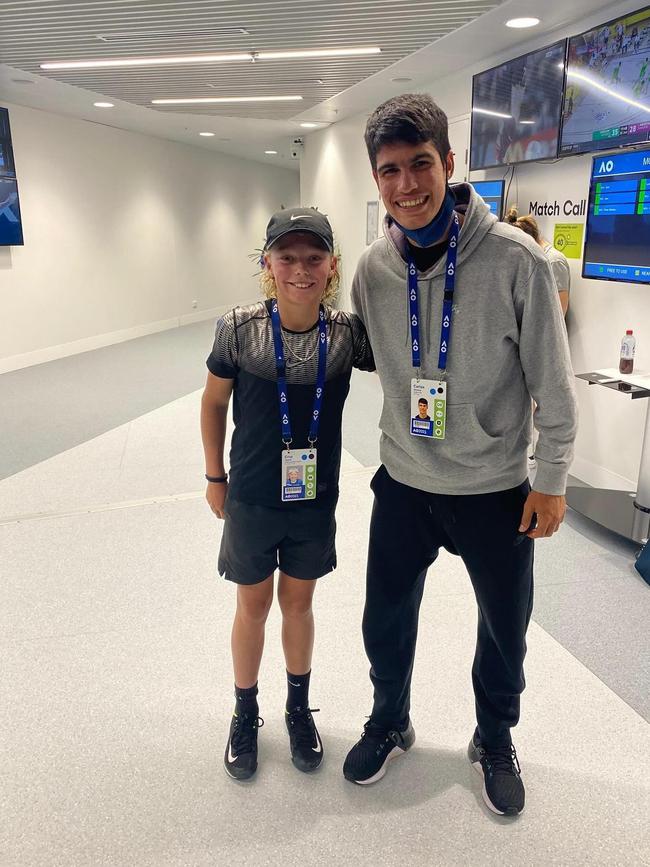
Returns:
<point x="519" y="23"/>
<point x="270" y="152"/>
<point x="401" y="80"/>
<point x="207" y="134"/>
<point x="203" y="100"/>
<point x="23" y="81"/>
<point x="309" y="125"/>
<point x="104" y="105"/>
<point x="211" y="58"/>
<point x="527" y="121"/>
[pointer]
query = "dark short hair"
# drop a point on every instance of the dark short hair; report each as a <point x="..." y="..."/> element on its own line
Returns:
<point x="412" y="118"/>
<point x="423" y="400"/>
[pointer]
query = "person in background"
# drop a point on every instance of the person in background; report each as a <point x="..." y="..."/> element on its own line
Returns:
<point x="559" y="264"/>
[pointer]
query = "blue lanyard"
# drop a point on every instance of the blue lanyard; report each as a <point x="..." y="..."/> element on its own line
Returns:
<point x="450" y="282"/>
<point x="280" y="364"/>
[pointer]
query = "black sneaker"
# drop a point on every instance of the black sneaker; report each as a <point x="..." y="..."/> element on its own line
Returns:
<point x="503" y="790"/>
<point x="366" y="762"/>
<point x="304" y="741"/>
<point x="240" y="760"/>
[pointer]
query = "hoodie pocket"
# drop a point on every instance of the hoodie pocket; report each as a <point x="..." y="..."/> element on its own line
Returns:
<point x="468" y="441"/>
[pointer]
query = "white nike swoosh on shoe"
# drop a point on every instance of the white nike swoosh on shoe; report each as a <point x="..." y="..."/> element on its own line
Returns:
<point x="318" y="748"/>
<point x="231" y="758"/>
<point x="294" y="684"/>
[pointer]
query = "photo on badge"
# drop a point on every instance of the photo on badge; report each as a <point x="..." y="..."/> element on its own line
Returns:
<point x="294" y="482"/>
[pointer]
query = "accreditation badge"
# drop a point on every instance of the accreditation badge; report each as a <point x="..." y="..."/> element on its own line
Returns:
<point x="428" y="408"/>
<point x="298" y="474"/>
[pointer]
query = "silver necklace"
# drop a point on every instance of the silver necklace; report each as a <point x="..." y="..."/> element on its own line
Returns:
<point x="299" y="358"/>
<point x="309" y="357"/>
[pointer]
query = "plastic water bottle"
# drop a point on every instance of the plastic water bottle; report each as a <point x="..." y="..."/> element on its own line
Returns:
<point x="628" y="343"/>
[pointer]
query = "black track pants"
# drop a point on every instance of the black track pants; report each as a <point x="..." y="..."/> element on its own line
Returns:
<point x="407" y="530"/>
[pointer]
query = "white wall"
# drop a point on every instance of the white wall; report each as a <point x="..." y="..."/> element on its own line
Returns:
<point x="122" y="233"/>
<point x="335" y="175"/>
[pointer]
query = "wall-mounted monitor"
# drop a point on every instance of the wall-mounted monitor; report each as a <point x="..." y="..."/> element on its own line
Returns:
<point x="11" y="228"/>
<point x="7" y="166"/>
<point x="516" y="109"/>
<point x="617" y="245"/>
<point x="492" y="194"/>
<point x="607" y="94"/>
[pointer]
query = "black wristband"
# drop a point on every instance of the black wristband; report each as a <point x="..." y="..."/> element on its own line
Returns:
<point x="216" y="479"/>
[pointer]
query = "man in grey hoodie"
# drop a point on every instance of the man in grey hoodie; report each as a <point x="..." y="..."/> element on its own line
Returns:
<point x="462" y="310"/>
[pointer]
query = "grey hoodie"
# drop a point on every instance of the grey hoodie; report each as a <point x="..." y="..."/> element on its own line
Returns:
<point x="508" y="344"/>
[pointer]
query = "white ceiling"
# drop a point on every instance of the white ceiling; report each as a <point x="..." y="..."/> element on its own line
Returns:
<point x="419" y="40"/>
<point x="51" y="30"/>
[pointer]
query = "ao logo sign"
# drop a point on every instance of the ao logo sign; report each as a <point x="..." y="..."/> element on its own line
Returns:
<point x="606" y="167"/>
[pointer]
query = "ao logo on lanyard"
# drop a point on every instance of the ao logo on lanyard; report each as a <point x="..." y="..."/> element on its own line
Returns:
<point x="429" y="396"/>
<point x="299" y="465"/>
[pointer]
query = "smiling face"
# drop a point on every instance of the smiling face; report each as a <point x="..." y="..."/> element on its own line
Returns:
<point x="412" y="181"/>
<point x="301" y="268"/>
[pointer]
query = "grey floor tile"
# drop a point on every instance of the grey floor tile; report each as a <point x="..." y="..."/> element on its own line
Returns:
<point x="52" y="407"/>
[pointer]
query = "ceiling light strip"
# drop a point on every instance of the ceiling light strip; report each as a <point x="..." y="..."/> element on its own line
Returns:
<point x="210" y="58"/>
<point x="146" y="61"/>
<point x="317" y="52"/>
<point x="217" y="99"/>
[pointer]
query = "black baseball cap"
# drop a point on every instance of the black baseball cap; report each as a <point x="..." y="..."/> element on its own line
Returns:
<point x="299" y="220"/>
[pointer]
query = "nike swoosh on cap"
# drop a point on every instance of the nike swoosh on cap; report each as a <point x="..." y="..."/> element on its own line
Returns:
<point x="301" y="217"/>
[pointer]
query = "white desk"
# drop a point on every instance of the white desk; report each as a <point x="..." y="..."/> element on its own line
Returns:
<point x="627" y="514"/>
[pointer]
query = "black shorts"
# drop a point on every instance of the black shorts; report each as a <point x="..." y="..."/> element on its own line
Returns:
<point x="258" y="539"/>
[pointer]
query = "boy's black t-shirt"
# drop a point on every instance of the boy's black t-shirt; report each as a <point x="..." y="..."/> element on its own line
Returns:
<point x="243" y="350"/>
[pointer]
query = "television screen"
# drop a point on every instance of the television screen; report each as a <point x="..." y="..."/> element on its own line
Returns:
<point x="6" y="154"/>
<point x="617" y="245"/>
<point x="606" y="99"/>
<point x="516" y="109"/>
<point x="492" y="194"/>
<point x="11" y="230"/>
